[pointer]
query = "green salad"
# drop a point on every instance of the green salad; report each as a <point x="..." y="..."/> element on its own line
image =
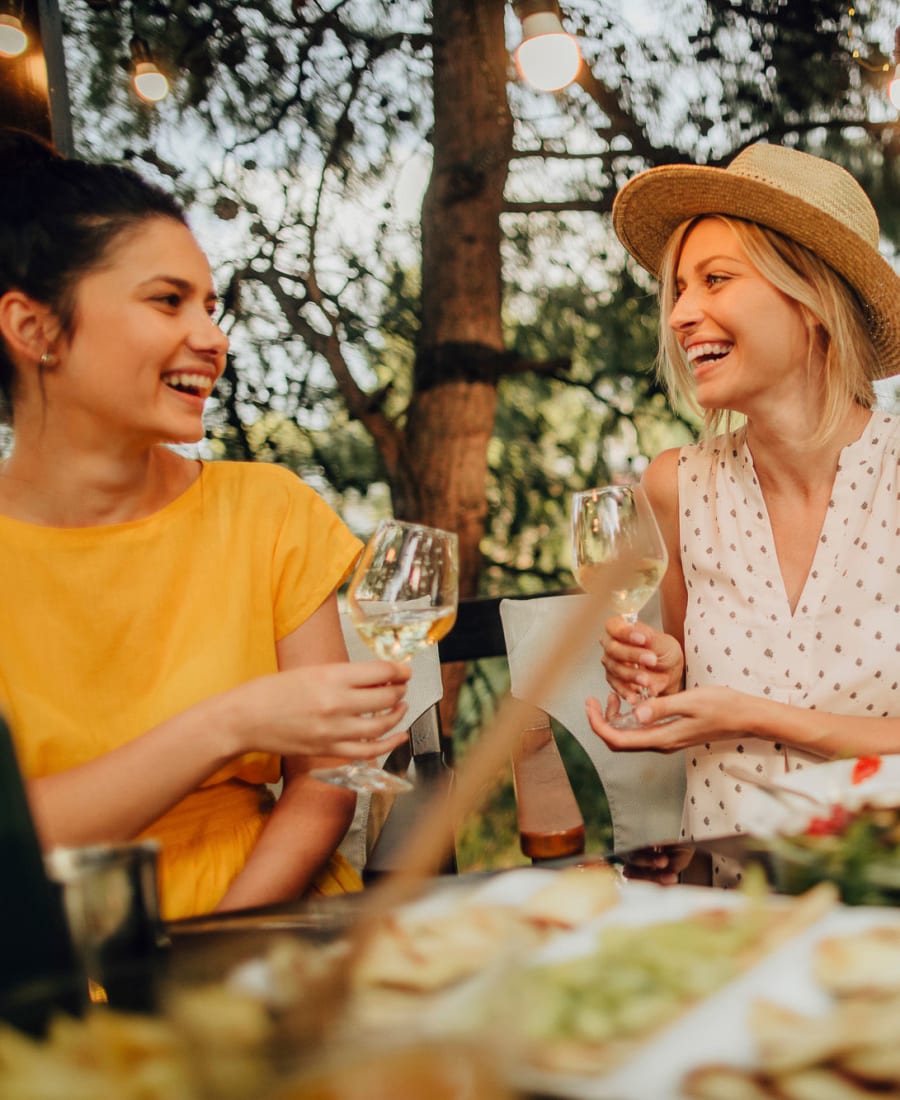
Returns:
<point x="859" y="851"/>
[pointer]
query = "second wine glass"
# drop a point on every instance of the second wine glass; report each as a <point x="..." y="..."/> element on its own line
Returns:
<point x="618" y="552"/>
<point x="402" y="598"/>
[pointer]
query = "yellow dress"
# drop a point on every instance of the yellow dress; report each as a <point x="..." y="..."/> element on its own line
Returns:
<point x="107" y="631"/>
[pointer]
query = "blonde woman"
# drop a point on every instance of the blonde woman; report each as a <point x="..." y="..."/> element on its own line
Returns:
<point x="781" y="603"/>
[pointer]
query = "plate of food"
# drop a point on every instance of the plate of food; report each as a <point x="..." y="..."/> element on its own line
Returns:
<point x="578" y="1018"/>
<point x="415" y="957"/>
<point x="820" y="1019"/>
<point x="818" y="791"/>
<point x="575" y="983"/>
<point x="852" y="838"/>
<point x="797" y="1007"/>
<point x="857" y="850"/>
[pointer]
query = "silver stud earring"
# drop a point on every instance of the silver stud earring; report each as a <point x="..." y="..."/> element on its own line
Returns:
<point x="47" y="360"/>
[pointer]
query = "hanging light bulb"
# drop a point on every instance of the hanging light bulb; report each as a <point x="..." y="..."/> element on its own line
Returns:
<point x="149" y="83"/>
<point x="894" y="86"/>
<point x="547" y="58"/>
<point x="13" y="38"/>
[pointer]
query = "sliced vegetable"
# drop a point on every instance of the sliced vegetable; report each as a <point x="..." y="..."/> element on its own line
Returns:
<point x="865" y="767"/>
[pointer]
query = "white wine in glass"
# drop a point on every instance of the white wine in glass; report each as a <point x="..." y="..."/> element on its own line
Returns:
<point x="618" y="552"/>
<point x="397" y="633"/>
<point x="402" y="598"/>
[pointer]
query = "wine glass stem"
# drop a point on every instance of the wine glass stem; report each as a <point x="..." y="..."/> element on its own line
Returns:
<point x="631" y="617"/>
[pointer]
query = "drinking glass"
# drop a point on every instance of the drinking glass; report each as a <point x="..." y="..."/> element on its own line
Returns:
<point x="618" y="552"/>
<point x="402" y="598"/>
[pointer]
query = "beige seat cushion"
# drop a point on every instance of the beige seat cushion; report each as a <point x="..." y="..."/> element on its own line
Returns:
<point x="645" y="789"/>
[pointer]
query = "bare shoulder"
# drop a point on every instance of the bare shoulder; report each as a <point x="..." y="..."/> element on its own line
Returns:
<point x="660" y="482"/>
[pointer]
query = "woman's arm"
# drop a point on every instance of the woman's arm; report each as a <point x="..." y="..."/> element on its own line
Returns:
<point x="335" y="709"/>
<point x="310" y="818"/>
<point x="719" y="713"/>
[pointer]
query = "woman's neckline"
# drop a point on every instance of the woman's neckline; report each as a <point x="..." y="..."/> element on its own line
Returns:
<point x="181" y="495"/>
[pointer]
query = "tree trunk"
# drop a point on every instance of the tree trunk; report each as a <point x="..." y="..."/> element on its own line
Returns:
<point x="461" y="338"/>
<point x="451" y="414"/>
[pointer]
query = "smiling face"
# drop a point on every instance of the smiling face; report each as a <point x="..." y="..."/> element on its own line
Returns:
<point x="143" y="352"/>
<point x="747" y="343"/>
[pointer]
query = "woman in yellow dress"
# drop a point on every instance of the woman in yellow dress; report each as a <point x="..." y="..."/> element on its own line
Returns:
<point x="170" y="639"/>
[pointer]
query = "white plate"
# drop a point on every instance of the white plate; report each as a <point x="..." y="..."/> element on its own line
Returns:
<point x="833" y="783"/>
<point x="714" y="1030"/>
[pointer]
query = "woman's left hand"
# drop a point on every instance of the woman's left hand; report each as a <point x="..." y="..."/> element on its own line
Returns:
<point x="695" y="716"/>
<point x="639" y="659"/>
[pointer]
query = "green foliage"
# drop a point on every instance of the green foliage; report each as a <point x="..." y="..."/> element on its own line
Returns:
<point x="598" y="418"/>
<point x="304" y="116"/>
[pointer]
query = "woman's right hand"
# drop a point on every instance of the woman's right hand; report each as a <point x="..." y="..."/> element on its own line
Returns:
<point x="635" y="657"/>
<point x="339" y="709"/>
<point x="662" y="863"/>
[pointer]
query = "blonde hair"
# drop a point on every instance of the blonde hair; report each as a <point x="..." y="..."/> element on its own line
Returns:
<point x="836" y="322"/>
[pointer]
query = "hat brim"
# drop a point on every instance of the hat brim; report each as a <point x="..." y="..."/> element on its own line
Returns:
<point x="650" y="207"/>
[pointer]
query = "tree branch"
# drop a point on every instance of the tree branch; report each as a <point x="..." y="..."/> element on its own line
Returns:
<point x="361" y="406"/>
<point x="601" y="205"/>
<point x="549" y="153"/>
<point x="624" y="124"/>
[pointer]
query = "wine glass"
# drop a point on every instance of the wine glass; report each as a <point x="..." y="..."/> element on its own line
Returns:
<point x="618" y="552"/>
<point x="402" y="598"/>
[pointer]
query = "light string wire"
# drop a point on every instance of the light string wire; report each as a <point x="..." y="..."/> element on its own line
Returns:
<point x="863" y="63"/>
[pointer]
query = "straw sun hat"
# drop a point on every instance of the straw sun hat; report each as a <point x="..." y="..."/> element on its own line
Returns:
<point x="811" y="200"/>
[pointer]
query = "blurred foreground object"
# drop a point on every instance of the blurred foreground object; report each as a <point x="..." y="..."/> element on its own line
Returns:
<point x="111" y="901"/>
<point x="445" y="1070"/>
<point x="859" y="851"/>
<point x="37" y="962"/>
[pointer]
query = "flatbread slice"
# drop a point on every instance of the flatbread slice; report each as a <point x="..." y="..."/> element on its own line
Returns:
<point x="860" y="962"/>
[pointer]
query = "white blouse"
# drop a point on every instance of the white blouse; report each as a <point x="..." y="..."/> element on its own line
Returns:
<point x="840" y="649"/>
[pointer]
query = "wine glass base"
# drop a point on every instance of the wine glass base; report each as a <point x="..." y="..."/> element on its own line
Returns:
<point x="629" y="722"/>
<point x="362" y="778"/>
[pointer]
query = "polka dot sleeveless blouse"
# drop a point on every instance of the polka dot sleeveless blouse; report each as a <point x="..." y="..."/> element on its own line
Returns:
<point x="838" y="652"/>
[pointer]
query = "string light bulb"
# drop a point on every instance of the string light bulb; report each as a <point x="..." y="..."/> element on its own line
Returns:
<point x="893" y="85"/>
<point x="547" y="58"/>
<point x="149" y="83"/>
<point x="13" y="39"/>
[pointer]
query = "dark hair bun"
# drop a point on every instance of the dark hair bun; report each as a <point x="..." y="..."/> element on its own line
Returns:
<point x="20" y="150"/>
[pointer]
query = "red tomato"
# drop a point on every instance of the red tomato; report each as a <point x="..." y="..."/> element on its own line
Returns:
<point x="836" y="822"/>
<point x="864" y="767"/>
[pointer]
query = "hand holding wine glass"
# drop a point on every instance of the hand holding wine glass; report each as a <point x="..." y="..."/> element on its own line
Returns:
<point x="402" y="598"/>
<point x="619" y="552"/>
